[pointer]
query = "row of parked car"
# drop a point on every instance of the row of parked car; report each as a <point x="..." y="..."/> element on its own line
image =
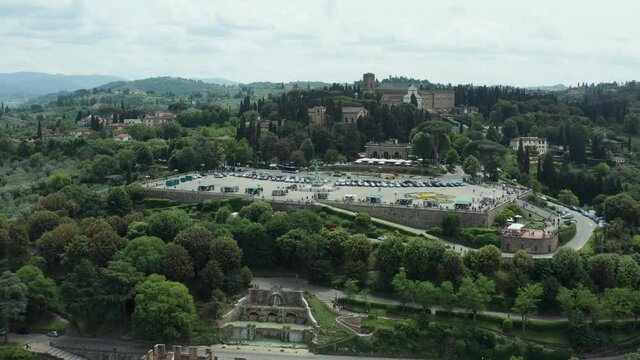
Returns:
<point x="296" y="179"/>
<point x="397" y="183"/>
<point x="591" y="214"/>
<point x="272" y="177"/>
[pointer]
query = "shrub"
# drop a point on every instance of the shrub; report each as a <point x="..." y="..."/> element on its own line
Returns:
<point x="507" y="325"/>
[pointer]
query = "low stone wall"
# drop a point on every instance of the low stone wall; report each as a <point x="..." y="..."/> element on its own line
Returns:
<point x="252" y="333"/>
<point x="195" y="197"/>
<point x="100" y="354"/>
<point x="234" y="313"/>
<point x="420" y="218"/>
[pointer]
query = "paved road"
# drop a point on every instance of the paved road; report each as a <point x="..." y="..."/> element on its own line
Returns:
<point x="584" y="228"/>
<point x="40" y="343"/>
<point x="248" y="352"/>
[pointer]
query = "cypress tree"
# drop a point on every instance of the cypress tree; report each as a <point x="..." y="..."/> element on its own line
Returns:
<point x="39" y="129"/>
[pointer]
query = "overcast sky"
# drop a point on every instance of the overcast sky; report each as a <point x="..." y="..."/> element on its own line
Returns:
<point x="540" y="42"/>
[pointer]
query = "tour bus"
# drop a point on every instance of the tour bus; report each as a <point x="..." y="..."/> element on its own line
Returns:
<point x="322" y="196"/>
<point x="288" y="168"/>
<point x="349" y="198"/>
<point x="279" y="192"/>
<point x="229" y="189"/>
<point x="206" y="187"/>
<point x="253" y="190"/>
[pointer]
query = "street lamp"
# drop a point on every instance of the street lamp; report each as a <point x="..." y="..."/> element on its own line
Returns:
<point x="395" y="194"/>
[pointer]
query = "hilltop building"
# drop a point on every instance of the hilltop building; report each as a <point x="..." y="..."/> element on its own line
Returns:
<point x="534" y="144"/>
<point x="439" y="100"/>
<point x="317" y="115"/>
<point x="350" y="115"/>
<point x="390" y="149"/>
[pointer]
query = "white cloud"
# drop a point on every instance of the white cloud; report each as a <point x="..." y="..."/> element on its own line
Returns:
<point x="495" y="41"/>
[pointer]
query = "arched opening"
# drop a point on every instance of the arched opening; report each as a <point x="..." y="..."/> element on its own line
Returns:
<point x="253" y="316"/>
<point x="396" y="155"/>
<point x="385" y="155"/>
<point x="275" y="300"/>
<point x="290" y="319"/>
<point x="374" y="155"/>
<point x="272" y="317"/>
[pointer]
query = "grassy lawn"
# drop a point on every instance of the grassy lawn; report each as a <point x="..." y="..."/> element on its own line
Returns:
<point x="329" y="331"/>
<point x="205" y="332"/>
<point x="533" y="224"/>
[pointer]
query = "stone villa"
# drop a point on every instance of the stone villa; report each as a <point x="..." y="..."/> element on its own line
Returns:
<point x="390" y="149"/>
<point x="536" y="145"/>
<point x="440" y="100"/>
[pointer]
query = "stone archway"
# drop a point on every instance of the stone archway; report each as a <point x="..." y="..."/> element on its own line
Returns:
<point x="253" y="316"/>
<point x="275" y="300"/>
<point x="374" y="155"/>
<point x="396" y="155"/>
<point x="385" y="155"/>
<point x="272" y="317"/>
<point x="291" y="318"/>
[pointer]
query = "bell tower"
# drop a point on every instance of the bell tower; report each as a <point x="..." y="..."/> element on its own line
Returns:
<point x="368" y="83"/>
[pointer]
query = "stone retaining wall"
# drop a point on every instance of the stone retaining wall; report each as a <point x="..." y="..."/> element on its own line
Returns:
<point x="420" y="218"/>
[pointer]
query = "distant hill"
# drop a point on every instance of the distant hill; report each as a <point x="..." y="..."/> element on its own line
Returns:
<point x="219" y="81"/>
<point x="164" y="84"/>
<point x="33" y="83"/>
<point x="288" y="85"/>
<point x="558" y="87"/>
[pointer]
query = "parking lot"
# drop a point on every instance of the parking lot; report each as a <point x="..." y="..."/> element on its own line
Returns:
<point x="419" y="191"/>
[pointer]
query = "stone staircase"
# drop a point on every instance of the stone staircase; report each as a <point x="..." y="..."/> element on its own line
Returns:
<point x="44" y="348"/>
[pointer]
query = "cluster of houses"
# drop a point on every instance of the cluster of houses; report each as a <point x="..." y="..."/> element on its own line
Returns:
<point x="108" y="122"/>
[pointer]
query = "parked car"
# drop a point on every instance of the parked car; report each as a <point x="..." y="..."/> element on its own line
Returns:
<point x="54" y="333"/>
<point x="382" y="238"/>
<point x="567" y="216"/>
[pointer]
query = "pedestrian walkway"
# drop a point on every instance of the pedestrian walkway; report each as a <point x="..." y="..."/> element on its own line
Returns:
<point x="324" y="293"/>
<point x="43" y="346"/>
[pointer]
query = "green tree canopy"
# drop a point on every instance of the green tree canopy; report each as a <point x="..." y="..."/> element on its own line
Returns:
<point x="164" y="309"/>
<point x="198" y="242"/>
<point x="144" y="253"/>
<point x="13" y="299"/>
<point x="475" y="295"/>
<point x="42" y="291"/>
<point x="527" y="301"/>
<point x="167" y="224"/>
<point x="177" y="264"/>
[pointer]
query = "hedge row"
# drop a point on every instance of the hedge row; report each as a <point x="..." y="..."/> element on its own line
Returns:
<point x="566" y="233"/>
<point x="479" y="237"/>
